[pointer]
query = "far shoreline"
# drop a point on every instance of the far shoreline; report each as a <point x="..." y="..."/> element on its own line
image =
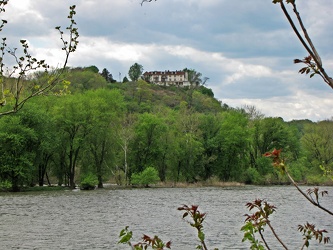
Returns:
<point x="114" y="186"/>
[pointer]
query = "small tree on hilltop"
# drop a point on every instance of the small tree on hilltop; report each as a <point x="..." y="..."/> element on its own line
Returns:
<point x="135" y="71"/>
<point x="107" y="75"/>
<point x="125" y="79"/>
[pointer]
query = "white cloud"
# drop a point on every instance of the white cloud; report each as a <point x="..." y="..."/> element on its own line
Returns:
<point x="243" y="70"/>
<point x="301" y="105"/>
<point x="100" y="47"/>
<point x="23" y="11"/>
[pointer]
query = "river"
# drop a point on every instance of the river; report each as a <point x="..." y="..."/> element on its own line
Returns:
<point x="56" y="220"/>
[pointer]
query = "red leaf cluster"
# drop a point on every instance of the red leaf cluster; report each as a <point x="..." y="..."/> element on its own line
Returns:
<point x="155" y="242"/>
<point x="275" y="154"/>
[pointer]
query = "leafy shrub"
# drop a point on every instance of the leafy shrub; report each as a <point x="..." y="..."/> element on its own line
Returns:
<point x="317" y="179"/>
<point x="146" y="177"/>
<point x="5" y="185"/>
<point x="89" y="182"/>
<point x="251" y="176"/>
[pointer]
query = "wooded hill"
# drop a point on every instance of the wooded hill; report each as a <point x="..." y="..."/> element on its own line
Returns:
<point x="96" y="131"/>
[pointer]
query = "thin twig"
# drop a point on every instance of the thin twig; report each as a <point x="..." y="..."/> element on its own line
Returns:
<point x="264" y="240"/>
<point x="312" y="51"/>
<point x="276" y="236"/>
<point x="307" y="37"/>
<point x="306" y="196"/>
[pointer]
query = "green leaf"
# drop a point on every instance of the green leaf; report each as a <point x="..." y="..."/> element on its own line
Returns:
<point x="201" y="235"/>
<point x="125" y="236"/>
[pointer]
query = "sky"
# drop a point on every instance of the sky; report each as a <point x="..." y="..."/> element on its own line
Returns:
<point x="245" y="47"/>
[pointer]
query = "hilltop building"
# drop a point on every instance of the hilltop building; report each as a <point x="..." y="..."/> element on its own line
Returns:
<point x="167" y="78"/>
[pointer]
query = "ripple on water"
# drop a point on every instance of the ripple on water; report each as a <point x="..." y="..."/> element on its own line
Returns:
<point x="93" y="220"/>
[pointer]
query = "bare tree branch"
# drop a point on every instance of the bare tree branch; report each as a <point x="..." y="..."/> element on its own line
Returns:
<point x="307" y="43"/>
<point x="27" y="63"/>
<point x="146" y="1"/>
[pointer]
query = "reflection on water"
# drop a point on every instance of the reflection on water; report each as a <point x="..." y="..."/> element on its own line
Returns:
<point x="93" y="219"/>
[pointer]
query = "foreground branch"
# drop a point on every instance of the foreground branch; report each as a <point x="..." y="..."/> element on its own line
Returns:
<point x="316" y="67"/>
<point x="25" y="64"/>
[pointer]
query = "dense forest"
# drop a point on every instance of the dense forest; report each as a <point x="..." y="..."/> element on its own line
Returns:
<point x="93" y="127"/>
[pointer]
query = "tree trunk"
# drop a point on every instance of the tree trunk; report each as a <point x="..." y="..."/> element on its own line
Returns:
<point x="47" y="178"/>
<point x="100" y="182"/>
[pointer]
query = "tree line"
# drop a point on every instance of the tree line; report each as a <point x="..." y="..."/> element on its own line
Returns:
<point x="107" y="130"/>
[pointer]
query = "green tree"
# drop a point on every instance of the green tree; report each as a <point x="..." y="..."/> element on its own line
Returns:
<point x="233" y="140"/>
<point x="206" y="91"/>
<point x="16" y="156"/>
<point x="203" y="103"/>
<point x="36" y="117"/>
<point x="100" y="143"/>
<point x="124" y="137"/>
<point x="166" y="142"/>
<point x="269" y="133"/>
<point x="82" y="79"/>
<point x="195" y="78"/>
<point x="125" y="79"/>
<point x="210" y="128"/>
<point x="189" y="149"/>
<point x="135" y="71"/>
<point x="196" y="81"/>
<point x="74" y="122"/>
<point x="143" y="91"/>
<point x="107" y="75"/>
<point x="92" y="68"/>
<point x="146" y="148"/>
<point x="318" y="143"/>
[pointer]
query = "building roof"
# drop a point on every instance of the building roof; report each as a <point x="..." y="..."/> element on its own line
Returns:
<point x="166" y="72"/>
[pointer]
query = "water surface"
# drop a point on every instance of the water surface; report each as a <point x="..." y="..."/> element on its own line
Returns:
<point x="93" y="219"/>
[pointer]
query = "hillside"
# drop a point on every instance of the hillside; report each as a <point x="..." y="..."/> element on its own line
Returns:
<point x="99" y="131"/>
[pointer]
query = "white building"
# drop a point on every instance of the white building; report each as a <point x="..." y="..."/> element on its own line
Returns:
<point x="167" y="78"/>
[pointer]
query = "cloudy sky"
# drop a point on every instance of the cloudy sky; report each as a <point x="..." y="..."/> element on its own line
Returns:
<point x="245" y="47"/>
